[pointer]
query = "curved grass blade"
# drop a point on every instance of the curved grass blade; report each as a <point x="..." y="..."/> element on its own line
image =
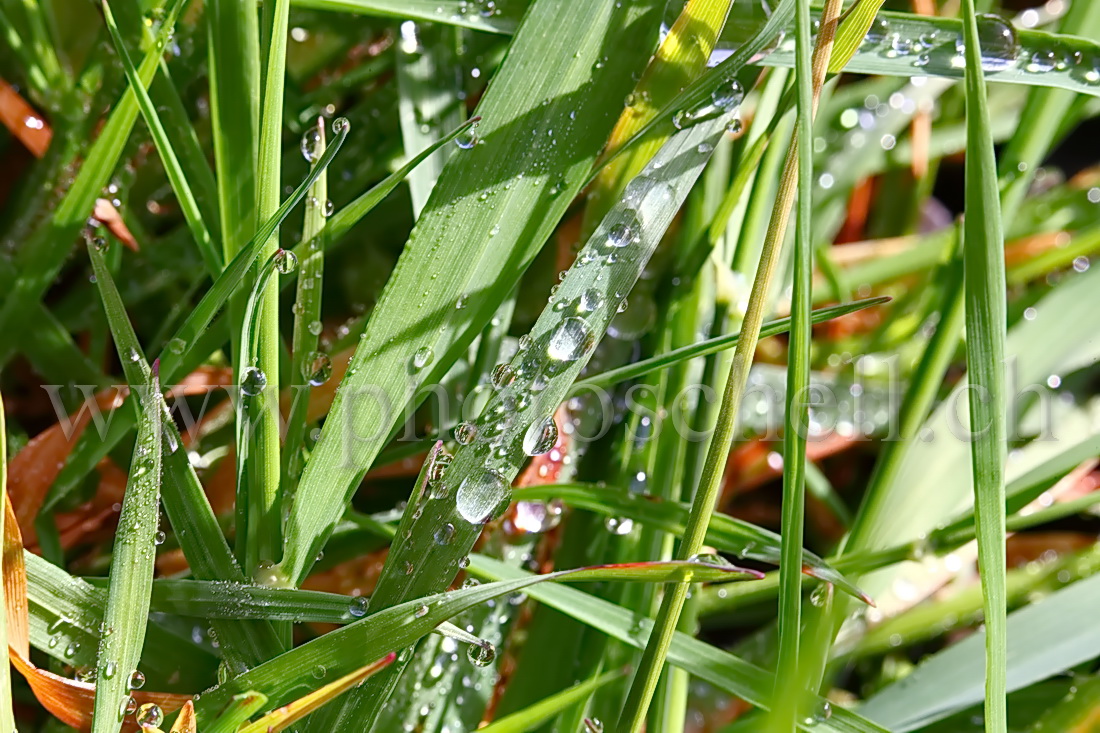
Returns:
<point x="856" y="21"/>
<point x="258" y="512"/>
<point x="131" y="576"/>
<point x="724" y="533"/>
<point x="394" y="628"/>
<point x="502" y="16"/>
<point x="714" y="345"/>
<point x="531" y="716"/>
<point x="237" y="712"/>
<point x="722" y="669"/>
<point x="986" y="321"/>
<point x="176" y="177"/>
<point x="931" y="48"/>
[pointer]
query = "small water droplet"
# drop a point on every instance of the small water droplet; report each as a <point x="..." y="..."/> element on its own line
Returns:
<point x="421" y="611"/>
<point x="340" y="125"/>
<point x="253" y="382"/>
<point x="465" y="433"/>
<point x="109" y="670"/>
<point x="422" y="357"/>
<point x="445" y="534"/>
<point x="593" y="725"/>
<point x="137" y="680"/>
<point x="503" y="375"/>
<point x="358" y="607"/>
<point x="619" y="525"/>
<point x="468" y="138"/>
<point x="317" y="368"/>
<point x="286" y="261"/>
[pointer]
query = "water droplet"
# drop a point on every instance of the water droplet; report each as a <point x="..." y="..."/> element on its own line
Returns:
<point x="540" y="437"/>
<point x="137" y="680"/>
<point x="314" y="328"/>
<point x="328" y="209"/>
<point x="1042" y="61"/>
<point x="482" y="496"/>
<point x="149" y="716"/>
<point x="340" y="124"/>
<point x="593" y="725"/>
<point x="481" y="655"/>
<point x="590" y="301"/>
<point x="159" y="537"/>
<point x="358" y="607"/>
<point x="109" y="670"/>
<point x="465" y="433"/>
<point x="619" y="525"/>
<point x="468" y="138"/>
<point x="317" y="368"/>
<point x="422" y="357"/>
<point x="622" y="234"/>
<point x="503" y="375"/>
<point x="286" y="261"/>
<point x="727" y="97"/>
<point x="570" y="340"/>
<point x="998" y="41"/>
<point x="253" y="381"/>
<point x="319" y="672"/>
<point x="704" y="148"/>
<point x="311" y="139"/>
<point x="421" y="611"/>
<point x="127" y="707"/>
<point x="445" y="534"/>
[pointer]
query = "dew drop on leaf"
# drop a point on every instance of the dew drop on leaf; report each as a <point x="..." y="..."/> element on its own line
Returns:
<point x="570" y="340"/>
<point x="540" y="437"/>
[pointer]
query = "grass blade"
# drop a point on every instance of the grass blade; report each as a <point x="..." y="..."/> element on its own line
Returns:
<point x="531" y="716"/>
<point x="984" y="277"/>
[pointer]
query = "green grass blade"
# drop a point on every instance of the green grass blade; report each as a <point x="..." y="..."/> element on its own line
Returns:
<point x="132" y="566"/>
<point x="260" y="469"/>
<point x="488" y="244"/>
<point x="307" y="365"/>
<point x="714" y="345"/>
<point x="983" y="257"/>
<point x="790" y="705"/>
<point x="649" y="671"/>
<point x="41" y="258"/>
<point x="199" y="231"/>
<point x="531" y="716"/>
<point x="502" y="17"/>
<point x="856" y="21"/>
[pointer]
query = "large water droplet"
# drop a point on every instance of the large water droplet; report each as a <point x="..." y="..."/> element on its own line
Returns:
<point x="570" y="340"/>
<point x="623" y="234"/>
<point x="253" y="381"/>
<point x="998" y="41"/>
<point x="481" y="655"/>
<point x="137" y="680"/>
<point x="465" y="433"/>
<point x="503" y="375"/>
<point x="358" y="607"/>
<point x="540" y="437"/>
<point x="468" y="138"/>
<point x="590" y="301"/>
<point x="149" y="716"/>
<point x="311" y="139"/>
<point x="482" y="496"/>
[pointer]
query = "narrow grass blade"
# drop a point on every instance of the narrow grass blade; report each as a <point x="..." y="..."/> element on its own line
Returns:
<point x="530" y="717"/>
<point x="185" y="721"/>
<point x="857" y="20"/>
<point x="649" y="671"/>
<point x="190" y="208"/>
<point x="724" y="533"/>
<point x="714" y="345"/>
<point x="132" y="568"/>
<point x="308" y="366"/>
<point x="260" y="469"/>
<point x="237" y="712"/>
<point x="983" y="256"/>
<point x="502" y="17"/>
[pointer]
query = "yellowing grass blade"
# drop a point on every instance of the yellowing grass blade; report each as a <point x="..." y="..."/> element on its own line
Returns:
<point x="280" y="718"/>
<point x="185" y="722"/>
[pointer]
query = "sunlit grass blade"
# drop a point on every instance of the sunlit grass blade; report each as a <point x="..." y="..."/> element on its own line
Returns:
<point x="714" y="345"/>
<point x="191" y="214"/>
<point x="237" y="712"/>
<point x="290" y="713"/>
<point x="703" y="503"/>
<point x="308" y="366"/>
<point x="185" y="721"/>
<point x="986" y="321"/>
<point x="487" y="244"/>
<point x="502" y="17"/>
<point x="132" y="566"/>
